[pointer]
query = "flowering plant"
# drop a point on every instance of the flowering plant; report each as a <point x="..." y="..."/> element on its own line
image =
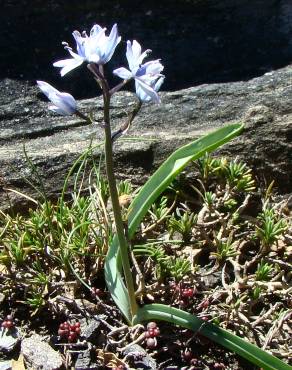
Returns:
<point x="96" y="50"/>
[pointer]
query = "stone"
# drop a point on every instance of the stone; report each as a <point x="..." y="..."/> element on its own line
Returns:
<point x="53" y="143"/>
<point x="83" y="360"/>
<point x="8" y="339"/>
<point x="39" y="355"/>
<point x="90" y="329"/>
<point x="6" y="365"/>
<point x="139" y="358"/>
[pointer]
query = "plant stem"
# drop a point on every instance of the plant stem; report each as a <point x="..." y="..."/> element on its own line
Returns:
<point x="115" y="199"/>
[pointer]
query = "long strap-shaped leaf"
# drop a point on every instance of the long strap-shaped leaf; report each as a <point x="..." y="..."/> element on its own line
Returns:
<point x="234" y="343"/>
<point x="156" y="184"/>
<point x="147" y="195"/>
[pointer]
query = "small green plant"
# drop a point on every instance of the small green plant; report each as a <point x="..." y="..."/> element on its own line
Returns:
<point x="124" y="187"/>
<point x="271" y="226"/>
<point x="209" y="199"/>
<point x="234" y="172"/>
<point x="179" y="268"/>
<point x="224" y="249"/>
<point x="159" y="209"/>
<point x="256" y="292"/>
<point x="36" y="300"/>
<point x="209" y="166"/>
<point x="164" y="265"/>
<point x="239" y="176"/>
<point x="264" y="271"/>
<point x="182" y="222"/>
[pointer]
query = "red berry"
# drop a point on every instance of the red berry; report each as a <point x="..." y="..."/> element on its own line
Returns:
<point x="194" y="361"/>
<point x="156" y="332"/>
<point x="97" y="292"/>
<point x="4" y="324"/>
<point x="187" y="292"/>
<point x="77" y="324"/>
<point x="187" y="355"/>
<point x="9" y="324"/>
<point x="151" y="325"/>
<point x="78" y="330"/>
<point x="183" y="303"/>
<point x="62" y="332"/>
<point x="151" y="343"/>
<point x="151" y="333"/>
<point x="71" y="337"/>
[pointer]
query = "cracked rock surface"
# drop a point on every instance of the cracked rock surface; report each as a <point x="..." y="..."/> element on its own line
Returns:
<point x="53" y="142"/>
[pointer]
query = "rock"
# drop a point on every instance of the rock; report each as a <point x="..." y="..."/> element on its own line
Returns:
<point x="139" y="358"/>
<point x="83" y="360"/>
<point x="8" y="339"/>
<point x="90" y="329"/>
<point x="6" y="365"/>
<point x="53" y="143"/>
<point x="39" y="355"/>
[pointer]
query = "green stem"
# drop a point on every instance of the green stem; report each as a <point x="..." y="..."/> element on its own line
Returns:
<point x="115" y="200"/>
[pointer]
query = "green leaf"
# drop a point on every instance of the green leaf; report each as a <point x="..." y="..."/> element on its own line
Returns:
<point x="157" y="183"/>
<point x="234" y="343"/>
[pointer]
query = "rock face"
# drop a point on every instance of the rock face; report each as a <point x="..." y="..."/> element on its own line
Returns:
<point x="54" y="142"/>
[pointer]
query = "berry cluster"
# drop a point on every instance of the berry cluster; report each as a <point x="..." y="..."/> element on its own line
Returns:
<point x="69" y="331"/>
<point x="186" y="294"/>
<point x="8" y="323"/>
<point x="151" y="333"/>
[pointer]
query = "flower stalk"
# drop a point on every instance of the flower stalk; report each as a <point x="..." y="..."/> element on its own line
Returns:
<point x="124" y="248"/>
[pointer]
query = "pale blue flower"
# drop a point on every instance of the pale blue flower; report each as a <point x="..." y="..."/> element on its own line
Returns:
<point x="63" y="103"/>
<point x="148" y="77"/>
<point x="95" y="48"/>
<point x="147" y="91"/>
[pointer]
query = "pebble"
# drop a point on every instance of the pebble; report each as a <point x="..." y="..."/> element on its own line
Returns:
<point x="39" y="355"/>
<point x="8" y="339"/>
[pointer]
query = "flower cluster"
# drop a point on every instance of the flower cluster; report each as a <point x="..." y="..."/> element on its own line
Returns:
<point x="97" y="49"/>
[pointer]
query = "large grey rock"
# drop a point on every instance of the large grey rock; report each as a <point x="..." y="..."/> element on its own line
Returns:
<point x="39" y="355"/>
<point x="54" y="142"/>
